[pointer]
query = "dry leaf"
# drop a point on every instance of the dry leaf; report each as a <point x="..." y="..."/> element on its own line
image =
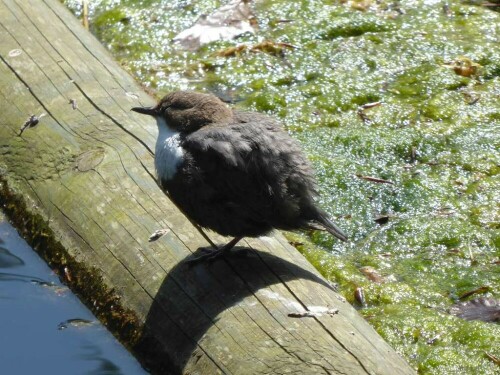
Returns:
<point x="463" y="66"/>
<point x="372" y="274"/>
<point x="485" y="309"/>
<point x="225" y="23"/>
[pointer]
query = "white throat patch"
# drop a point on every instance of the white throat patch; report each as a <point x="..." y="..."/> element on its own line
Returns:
<point x="168" y="151"/>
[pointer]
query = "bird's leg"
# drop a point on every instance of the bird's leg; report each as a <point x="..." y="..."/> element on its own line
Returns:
<point x="214" y="254"/>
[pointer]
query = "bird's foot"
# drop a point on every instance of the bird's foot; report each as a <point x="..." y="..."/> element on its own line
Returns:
<point x="157" y="234"/>
<point x="213" y="254"/>
<point x="209" y="255"/>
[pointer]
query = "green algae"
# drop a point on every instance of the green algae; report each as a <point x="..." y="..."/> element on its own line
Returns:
<point x="435" y="136"/>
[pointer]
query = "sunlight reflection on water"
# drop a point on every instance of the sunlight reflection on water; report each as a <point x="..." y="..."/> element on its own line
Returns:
<point x="33" y="305"/>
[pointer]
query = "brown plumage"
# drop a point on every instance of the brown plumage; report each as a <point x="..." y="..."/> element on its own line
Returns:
<point x="237" y="173"/>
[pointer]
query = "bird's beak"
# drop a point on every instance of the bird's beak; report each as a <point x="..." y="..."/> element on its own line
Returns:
<point x="145" y="110"/>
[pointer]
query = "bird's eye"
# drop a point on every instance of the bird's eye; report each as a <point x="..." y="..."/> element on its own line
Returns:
<point x="181" y="105"/>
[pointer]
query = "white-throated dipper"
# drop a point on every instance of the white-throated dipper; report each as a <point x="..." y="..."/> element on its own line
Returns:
<point x="237" y="173"/>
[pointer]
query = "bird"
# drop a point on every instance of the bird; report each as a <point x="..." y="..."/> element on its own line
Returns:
<point x="237" y="173"/>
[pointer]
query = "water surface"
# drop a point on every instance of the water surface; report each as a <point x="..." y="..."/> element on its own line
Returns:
<point x="45" y="328"/>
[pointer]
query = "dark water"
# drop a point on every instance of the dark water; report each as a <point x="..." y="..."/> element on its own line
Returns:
<point x="45" y="329"/>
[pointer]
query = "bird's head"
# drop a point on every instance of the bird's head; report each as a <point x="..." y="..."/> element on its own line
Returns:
<point x="187" y="111"/>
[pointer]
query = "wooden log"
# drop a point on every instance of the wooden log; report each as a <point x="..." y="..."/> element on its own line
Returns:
<point x="80" y="185"/>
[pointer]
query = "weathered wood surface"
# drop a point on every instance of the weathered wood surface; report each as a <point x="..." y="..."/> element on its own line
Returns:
<point x="81" y="185"/>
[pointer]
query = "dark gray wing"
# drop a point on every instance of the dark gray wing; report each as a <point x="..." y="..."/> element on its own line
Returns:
<point x="257" y="168"/>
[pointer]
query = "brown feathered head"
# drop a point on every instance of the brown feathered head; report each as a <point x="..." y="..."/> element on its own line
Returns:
<point x="187" y="111"/>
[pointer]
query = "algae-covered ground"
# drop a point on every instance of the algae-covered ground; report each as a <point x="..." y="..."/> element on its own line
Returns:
<point x="413" y="179"/>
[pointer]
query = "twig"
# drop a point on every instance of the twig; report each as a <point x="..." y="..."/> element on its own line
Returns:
<point x="496" y="360"/>
<point x="85" y="14"/>
<point x="374" y="179"/>
<point x="312" y="314"/>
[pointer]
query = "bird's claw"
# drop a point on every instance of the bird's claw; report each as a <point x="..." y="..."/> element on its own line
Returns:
<point x="209" y="255"/>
